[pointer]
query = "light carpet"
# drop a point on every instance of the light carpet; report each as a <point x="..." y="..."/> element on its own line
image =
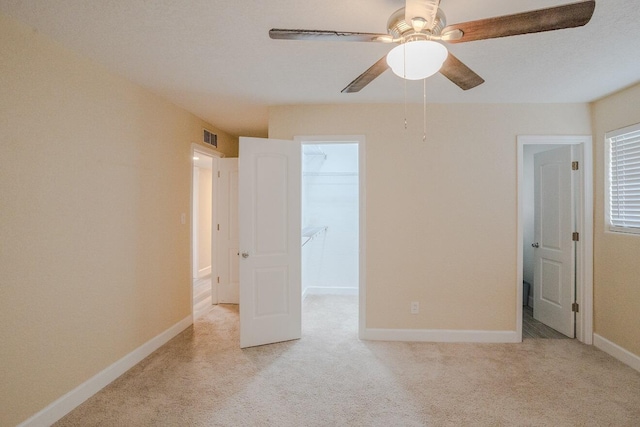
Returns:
<point x="330" y="378"/>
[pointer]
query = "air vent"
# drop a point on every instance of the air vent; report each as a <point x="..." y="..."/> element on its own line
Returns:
<point x="210" y="138"/>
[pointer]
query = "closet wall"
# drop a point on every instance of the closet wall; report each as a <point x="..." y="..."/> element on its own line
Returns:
<point x="330" y="219"/>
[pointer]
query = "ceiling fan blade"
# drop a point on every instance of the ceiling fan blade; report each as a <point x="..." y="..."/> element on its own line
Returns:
<point x="320" y="35"/>
<point x="367" y="77"/>
<point x="460" y="74"/>
<point x="536" y="21"/>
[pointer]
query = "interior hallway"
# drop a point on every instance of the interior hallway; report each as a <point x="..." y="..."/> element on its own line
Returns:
<point x="201" y="296"/>
<point x="329" y="377"/>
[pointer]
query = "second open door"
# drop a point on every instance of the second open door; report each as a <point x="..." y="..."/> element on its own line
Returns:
<point x="554" y="253"/>
<point x="270" y="239"/>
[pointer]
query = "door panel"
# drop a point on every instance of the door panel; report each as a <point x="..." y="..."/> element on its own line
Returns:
<point x="270" y="223"/>
<point x="271" y="200"/>
<point x="551" y="282"/>
<point x="554" y="274"/>
<point x="551" y="204"/>
<point x="227" y="234"/>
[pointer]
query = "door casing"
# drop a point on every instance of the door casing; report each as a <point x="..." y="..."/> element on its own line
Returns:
<point x="226" y="231"/>
<point x="584" y="225"/>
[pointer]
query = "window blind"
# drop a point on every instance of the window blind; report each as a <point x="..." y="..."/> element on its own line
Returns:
<point x="624" y="179"/>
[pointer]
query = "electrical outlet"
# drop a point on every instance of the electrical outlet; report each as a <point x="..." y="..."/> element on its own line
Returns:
<point x="415" y="307"/>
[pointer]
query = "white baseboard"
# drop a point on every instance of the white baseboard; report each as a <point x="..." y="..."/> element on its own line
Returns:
<point x="440" y="335"/>
<point x="321" y="290"/>
<point x="75" y="397"/>
<point x="613" y="349"/>
<point x="203" y="272"/>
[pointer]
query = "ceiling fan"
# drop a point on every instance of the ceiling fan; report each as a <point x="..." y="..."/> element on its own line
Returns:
<point x="420" y="26"/>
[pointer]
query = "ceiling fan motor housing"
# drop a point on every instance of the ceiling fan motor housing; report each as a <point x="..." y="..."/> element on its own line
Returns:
<point x="400" y="29"/>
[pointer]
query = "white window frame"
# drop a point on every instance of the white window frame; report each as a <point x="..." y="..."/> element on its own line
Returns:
<point x="607" y="188"/>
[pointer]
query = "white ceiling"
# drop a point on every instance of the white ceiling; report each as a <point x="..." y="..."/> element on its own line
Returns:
<point x="215" y="58"/>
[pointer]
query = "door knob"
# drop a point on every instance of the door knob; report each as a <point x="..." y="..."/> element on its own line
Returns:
<point x="535" y="245"/>
<point x="245" y="254"/>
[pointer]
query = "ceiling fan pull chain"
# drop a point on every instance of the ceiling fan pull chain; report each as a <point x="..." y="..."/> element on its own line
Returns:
<point x="424" y="110"/>
<point x="404" y="67"/>
<point x="405" y="105"/>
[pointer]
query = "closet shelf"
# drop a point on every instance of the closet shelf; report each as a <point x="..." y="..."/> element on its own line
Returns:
<point x="309" y="233"/>
<point x="313" y="150"/>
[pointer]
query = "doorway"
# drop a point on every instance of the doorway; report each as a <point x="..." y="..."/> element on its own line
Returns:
<point x="206" y="200"/>
<point x="529" y="249"/>
<point x="330" y="224"/>
<point x="202" y="219"/>
<point x="270" y="206"/>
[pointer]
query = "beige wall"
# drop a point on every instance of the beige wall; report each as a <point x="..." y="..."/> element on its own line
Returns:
<point x="617" y="256"/>
<point x="441" y="215"/>
<point x="94" y="175"/>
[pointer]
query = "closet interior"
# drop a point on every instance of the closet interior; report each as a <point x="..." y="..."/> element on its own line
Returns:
<point x="330" y="219"/>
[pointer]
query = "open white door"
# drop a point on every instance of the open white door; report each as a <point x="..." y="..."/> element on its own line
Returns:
<point x="270" y="241"/>
<point x="227" y="232"/>
<point x="554" y="274"/>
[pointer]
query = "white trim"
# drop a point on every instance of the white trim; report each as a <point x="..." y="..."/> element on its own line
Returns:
<point x="325" y="290"/>
<point x="585" y="333"/>
<point x="65" y="404"/>
<point x="584" y="319"/>
<point x="215" y="170"/>
<point x="203" y="272"/>
<point x="362" y="231"/>
<point x="622" y="131"/>
<point x="362" y="221"/>
<point x="519" y="238"/>
<point x="613" y="349"/>
<point x="441" y="335"/>
<point x="206" y="150"/>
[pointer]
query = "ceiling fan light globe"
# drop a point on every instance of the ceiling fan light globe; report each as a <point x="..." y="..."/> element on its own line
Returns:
<point x="423" y="59"/>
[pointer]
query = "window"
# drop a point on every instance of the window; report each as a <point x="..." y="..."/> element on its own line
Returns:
<point x="624" y="179"/>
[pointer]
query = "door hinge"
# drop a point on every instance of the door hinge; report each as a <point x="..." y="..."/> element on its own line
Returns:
<point x="219" y="227"/>
<point x="575" y="166"/>
<point x="575" y="236"/>
<point x="218" y="279"/>
<point x="218" y="174"/>
<point x="575" y="307"/>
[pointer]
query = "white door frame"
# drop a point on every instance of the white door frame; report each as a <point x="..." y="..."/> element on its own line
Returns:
<point x="362" y="200"/>
<point x="197" y="148"/>
<point x="584" y="225"/>
<point x="219" y="205"/>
